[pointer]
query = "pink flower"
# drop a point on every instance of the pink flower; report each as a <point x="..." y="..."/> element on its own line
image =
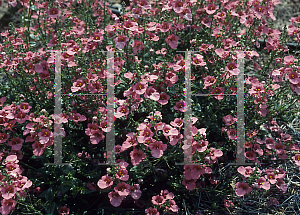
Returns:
<point x="180" y="106"/>
<point x="245" y="171"/>
<point x="121" y="41"/>
<point x="296" y="158"/>
<point x="115" y="199"/>
<point x="242" y="188"/>
<point x="250" y="155"/>
<point x="228" y="203"/>
<point x="157" y="149"/>
<point x="172" y="207"/>
<point x="232" y="134"/>
<point x="105" y="182"/>
<point x="271" y="177"/>
<point x="7" y="206"/>
<point x="8" y="192"/>
<point x="16" y="143"/>
<point x="38" y="148"/>
<point x="163" y="98"/>
<point x="64" y="210"/>
<point x="122" y="189"/>
<point x="53" y="13"/>
<point x="172" y="41"/>
<point x="189" y="184"/>
<point x="229" y="120"/>
<point x="137" y="46"/>
<point x="144" y="4"/>
<point x="158" y="200"/>
<point x="140" y="88"/>
<point x="151" y="211"/>
<point x="13" y="3"/>
<point x="215" y="153"/>
<point x="166" y="194"/>
<point x="137" y="156"/>
<point x="211" y="8"/>
<point x="281" y="185"/>
<point x="135" y="191"/>
<point x="262" y="183"/>
<point x="164" y="27"/>
<point x="122" y="174"/>
<point x="178" y="6"/>
<point x="78" y="85"/>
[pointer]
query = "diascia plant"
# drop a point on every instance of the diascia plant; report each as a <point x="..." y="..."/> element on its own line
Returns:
<point x="149" y="105"/>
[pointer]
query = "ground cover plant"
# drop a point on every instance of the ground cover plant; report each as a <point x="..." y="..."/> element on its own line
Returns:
<point x="149" y="87"/>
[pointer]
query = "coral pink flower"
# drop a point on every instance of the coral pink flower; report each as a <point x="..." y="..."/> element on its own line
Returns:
<point x="172" y="207"/>
<point x="178" y="6"/>
<point x="140" y="88"/>
<point x="229" y="120"/>
<point x="189" y="184"/>
<point x="96" y="136"/>
<point x="158" y="200"/>
<point x="157" y="149"/>
<point x="228" y="203"/>
<point x="211" y="8"/>
<point x="151" y="211"/>
<point x="271" y="177"/>
<point x="262" y="183"/>
<point x="293" y="77"/>
<point x="172" y="41"/>
<point x="44" y="136"/>
<point x="121" y="41"/>
<point x="137" y="156"/>
<point x="232" y="134"/>
<point x="3" y="137"/>
<point x="166" y="194"/>
<point x="64" y="210"/>
<point x="232" y="68"/>
<point x="115" y="199"/>
<point x="78" y="85"/>
<point x="242" y="188"/>
<point x="16" y="143"/>
<point x="53" y="13"/>
<point x="38" y="148"/>
<point x="215" y="153"/>
<point x="218" y="90"/>
<point x="8" y="192"/>
<point x="122" y="189"/>
<point x="122" y="174"/>
<point x="77" y="117"/>
<point x="281" y="185"/>
<point x="130" y="141"/>
<point x="164" y="27"/>
<point x="24" y="107"/>
<point x="163" y="98"/>
<point x="144" y="4"/>
<point x="250" y="155"/>
<point x="135" y="191"/>
<point x="137" y="46"/>
<point x="245" y="171"/>
<point x="105" y="182"/>
<point x="296" y="158"/>
<point x="144" y="134"/>
<point x="180" y="106"/>
<point x="209" y="81"/>
<point x="178" y="122"/>
<point x="7" y="206"/>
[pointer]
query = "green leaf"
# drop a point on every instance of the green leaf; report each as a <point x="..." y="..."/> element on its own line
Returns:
<point x="50" y="208"/>
<point x="65" y="187"/>
<point x="32" y="44"/>
<point x="32" y="36"/>
<point x="49" y="195"/>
